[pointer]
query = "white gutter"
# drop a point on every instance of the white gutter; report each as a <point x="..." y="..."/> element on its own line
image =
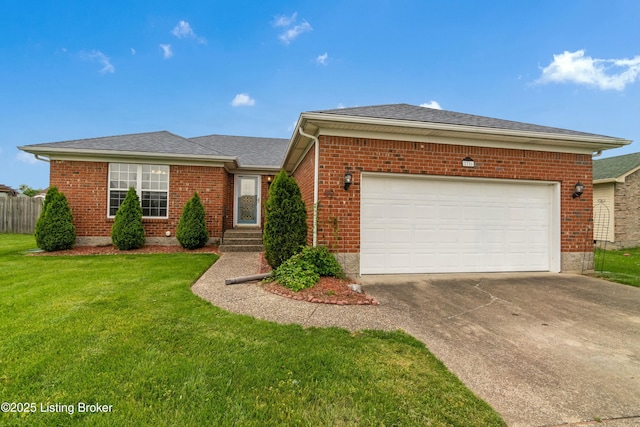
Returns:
<point x="316" y="168"/>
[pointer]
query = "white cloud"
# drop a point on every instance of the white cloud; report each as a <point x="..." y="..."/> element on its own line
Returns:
<point x="293" y="33"/>
<point x="166" y="51"/>
<point x="341" y="105"/>
<point x="96" y="55"/>
<point x="243" y="100"/>
<point x="26" y="158"/>
<point x="133" y="51"/>
<point x="605" y="74"/>
<point x="183" y="30"/>
<point x="322" y="59"/>
<point x="284" y="21"/>
<point x="432" y="104"/>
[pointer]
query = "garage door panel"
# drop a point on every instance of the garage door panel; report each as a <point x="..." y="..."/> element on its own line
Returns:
<point x="426" y="225"/>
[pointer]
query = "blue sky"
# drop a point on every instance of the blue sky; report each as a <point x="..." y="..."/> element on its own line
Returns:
<point x="82" y="69"/>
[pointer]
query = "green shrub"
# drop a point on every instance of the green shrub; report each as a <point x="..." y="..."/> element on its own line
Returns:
<point x="127" y="231"/>
<point x="296" y="274"/>
<point x="324" y="262"/>
<point x="192" y="229"/>
<point x="285" y="230"/>
<point x="303" y="270"/>
<point x="54" y="229"/>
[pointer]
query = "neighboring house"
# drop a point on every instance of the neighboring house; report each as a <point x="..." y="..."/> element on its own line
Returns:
<point x="616" y="200"/>
<point x="42" y="194"/>
<point x="6" y="191"/>
<point x="389" y="188"/>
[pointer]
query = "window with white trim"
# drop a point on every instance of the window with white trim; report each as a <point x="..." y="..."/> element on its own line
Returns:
<point x="151" y="182"/>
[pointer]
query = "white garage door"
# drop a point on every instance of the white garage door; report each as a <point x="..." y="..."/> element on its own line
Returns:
<point x="430" y="225"/>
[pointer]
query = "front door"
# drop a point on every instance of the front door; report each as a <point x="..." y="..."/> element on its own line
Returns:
<point x="247" y="200"/>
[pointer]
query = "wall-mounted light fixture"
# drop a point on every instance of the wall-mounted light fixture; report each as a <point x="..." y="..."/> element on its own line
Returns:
<point x="269" y="180"/>
<point x="468" y="162"/>
<point x="579" y="189"/>
<point x="348" y="179"/>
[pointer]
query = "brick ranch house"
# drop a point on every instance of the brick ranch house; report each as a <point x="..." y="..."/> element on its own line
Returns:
<point x="388" y="188"/>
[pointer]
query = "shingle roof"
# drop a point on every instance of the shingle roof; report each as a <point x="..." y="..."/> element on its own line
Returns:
<point x="151" y="142"/>
<point x="251" y="151"/>
<point x="6" y="189"/>
<point x="432" y="115"/>
<point x="614" y="167"/>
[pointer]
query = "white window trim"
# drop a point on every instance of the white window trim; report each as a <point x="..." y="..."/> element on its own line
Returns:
<point x="138" y="188"/>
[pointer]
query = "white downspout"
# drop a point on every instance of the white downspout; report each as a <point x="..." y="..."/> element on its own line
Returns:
<point x="316" y="172"/>
<point x="37" y="156"/>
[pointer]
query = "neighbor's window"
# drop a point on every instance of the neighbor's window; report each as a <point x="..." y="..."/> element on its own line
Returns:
<point x="151" y="182"/>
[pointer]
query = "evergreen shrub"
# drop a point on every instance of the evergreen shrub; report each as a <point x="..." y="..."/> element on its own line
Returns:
<point x="192" y="229"/>
<point x="285" y="231"/>
<point x="127" y="231"/>
<point x="54" y="229"/>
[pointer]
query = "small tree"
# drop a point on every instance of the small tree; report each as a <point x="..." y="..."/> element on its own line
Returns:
<point x="127" y="231"/>
<point x="54" y="229"/>
<point x="285" y="231"/>
<point x="192" y="229"/>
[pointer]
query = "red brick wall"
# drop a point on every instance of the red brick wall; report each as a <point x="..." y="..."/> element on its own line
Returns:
<point x="304" y="175"/>
<point x="85" y="184"/>
<point x="339" y="210"/>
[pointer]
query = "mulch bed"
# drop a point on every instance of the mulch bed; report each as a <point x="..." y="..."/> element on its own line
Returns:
<point x="328" y="290"/>
<point x="113" y="250"/>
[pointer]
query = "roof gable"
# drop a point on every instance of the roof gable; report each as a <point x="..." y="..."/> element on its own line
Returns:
<point x="615" y="167"/>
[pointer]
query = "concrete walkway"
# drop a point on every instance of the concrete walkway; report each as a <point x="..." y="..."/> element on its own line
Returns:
<point x="250" y="299"/>
<point x="542" y="349"/>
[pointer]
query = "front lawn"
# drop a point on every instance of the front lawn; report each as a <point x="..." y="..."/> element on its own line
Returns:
<point x="126" y="332"/>
<point x="619" y="266"/>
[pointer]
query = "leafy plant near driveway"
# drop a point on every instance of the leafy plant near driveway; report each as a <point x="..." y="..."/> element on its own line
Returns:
<point x="303" y="270"/>
<point x="128" y="332"/>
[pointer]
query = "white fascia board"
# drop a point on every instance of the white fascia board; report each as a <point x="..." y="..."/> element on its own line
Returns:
<point x="457" y="140"/>
<point x="256" y="170"/>
<point x="129" y="156"/>
<point x="601" y="142"/>
<point x="606" y="181"/>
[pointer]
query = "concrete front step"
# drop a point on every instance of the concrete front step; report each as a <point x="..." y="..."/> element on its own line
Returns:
<point x="233" y="241"/>
<point x="241" y="248"/>
<point x="242" y="240"/>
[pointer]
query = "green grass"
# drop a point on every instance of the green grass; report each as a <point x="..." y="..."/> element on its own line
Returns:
<point x="126" y="331"/>
<point x="618" y="267"/>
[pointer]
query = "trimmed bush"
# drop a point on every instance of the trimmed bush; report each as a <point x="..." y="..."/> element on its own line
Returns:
<point x="192" y="229"/>
<point x="54" y="229"/>
<point x="285" y="231"/>
<point x="127" y="231"/>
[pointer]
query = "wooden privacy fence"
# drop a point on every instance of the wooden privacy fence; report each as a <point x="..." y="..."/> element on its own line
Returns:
<point x="19" y="214"/>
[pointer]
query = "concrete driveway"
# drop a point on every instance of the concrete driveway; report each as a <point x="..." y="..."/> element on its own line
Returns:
<point x="543" y="349"/>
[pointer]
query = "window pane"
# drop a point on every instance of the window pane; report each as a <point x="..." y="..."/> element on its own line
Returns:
<point x="154" y="204"/>
<point x="115" y="200"/>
